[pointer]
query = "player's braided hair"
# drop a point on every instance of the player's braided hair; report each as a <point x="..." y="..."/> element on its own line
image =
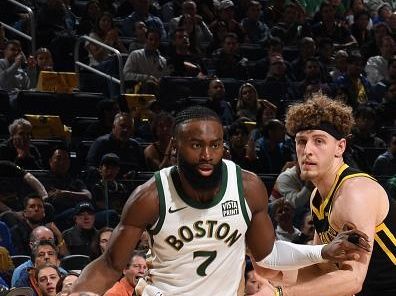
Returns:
<point x="195" y="112"/>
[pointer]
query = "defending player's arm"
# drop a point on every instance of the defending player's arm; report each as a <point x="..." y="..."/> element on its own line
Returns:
<point x="356" y="197"/>
<point x="141" y="210"/>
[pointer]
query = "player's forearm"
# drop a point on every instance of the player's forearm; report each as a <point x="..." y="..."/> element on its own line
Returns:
<point x="97" y="277"/>
<point x="288" y="256"/>
<point x="336" y="283"/>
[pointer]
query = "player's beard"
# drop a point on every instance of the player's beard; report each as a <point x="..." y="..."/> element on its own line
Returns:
<point x="195" y="179"/>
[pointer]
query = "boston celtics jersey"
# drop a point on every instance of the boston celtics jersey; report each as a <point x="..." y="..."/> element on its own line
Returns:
<point x="381" y="274"/>
<point x="199" y="248"/>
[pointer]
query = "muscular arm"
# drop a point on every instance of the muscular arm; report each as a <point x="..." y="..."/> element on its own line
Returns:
<point x="357" y="196"/>
<point x="260" y="235"/>
<point x="140" y="211"/>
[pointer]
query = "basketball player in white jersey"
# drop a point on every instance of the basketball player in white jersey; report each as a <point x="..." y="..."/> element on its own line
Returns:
<point x="201" y="214"/>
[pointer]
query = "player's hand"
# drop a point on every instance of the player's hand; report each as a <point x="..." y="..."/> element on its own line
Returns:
<point x="346" y="246"/>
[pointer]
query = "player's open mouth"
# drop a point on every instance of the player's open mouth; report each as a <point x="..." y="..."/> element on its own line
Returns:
<point x="205" y="169"/>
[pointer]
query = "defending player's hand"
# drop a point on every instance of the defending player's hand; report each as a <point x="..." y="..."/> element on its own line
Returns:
<point x="346" y="246"/>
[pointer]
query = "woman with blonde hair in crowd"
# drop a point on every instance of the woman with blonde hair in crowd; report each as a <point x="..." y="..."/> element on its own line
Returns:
<point x="247" y="102"/>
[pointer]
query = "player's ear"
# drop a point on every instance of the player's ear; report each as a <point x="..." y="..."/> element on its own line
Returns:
<point x="341" y="146"/>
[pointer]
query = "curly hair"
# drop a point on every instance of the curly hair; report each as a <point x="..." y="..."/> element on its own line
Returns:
<point x="317" y="110"/>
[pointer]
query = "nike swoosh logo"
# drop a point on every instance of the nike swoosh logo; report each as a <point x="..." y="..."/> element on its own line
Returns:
<point x="175" y="210"/>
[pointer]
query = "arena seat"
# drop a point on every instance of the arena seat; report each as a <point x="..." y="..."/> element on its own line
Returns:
<point x="74" y="262"/>
<point x="19" y="259"/>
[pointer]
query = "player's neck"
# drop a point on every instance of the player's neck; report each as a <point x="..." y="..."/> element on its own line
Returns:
<point x="325" y="183"/>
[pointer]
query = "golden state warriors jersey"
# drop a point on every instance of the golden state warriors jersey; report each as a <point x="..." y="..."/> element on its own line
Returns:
<point x="199" y="248"/>
<point x="381" y="275"/>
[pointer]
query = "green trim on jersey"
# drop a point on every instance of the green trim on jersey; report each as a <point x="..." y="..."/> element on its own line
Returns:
<point x="198" y="205"/>
<point x="241" y="195"/>
<point x="162" y="209"/>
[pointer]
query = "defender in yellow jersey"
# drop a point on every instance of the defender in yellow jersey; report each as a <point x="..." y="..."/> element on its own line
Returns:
<point x="342" y="197"/>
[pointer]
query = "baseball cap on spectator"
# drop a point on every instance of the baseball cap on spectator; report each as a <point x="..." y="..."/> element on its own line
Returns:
<point x="22" y="291"/>
<point x="110" y="159"/>
<point x="276" y="58"/>
<point x="226" y="4"/>
<point x="84" y="206"/>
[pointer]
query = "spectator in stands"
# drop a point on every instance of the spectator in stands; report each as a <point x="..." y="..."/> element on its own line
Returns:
<point x="146" y="63"/>
<point x="217" y="102"/>
<point x="80" y="237"/>
<point x="40" y="233"/>
<point x="182" y="61"/>
<point x="359" y="28"/>
<point x="293" y="189"/>
<point x="13" y="75"/>
<point x="307" y="49"/>
<point x="141" y="13"/>
<point x="340" y="61"/>
<point x="10" y="192"/>
<point x="371" y="47"/>
<point x="283" y="215"/>
<point x="247" y="102"/>
<point x="384" y="11"/>
<point x="40" y="61"/>
<point x="363" y="133"/>
<point x="65" y="283"/>
<point x="108" y="184"/>
<point x="256" y="30"/>
<point x="160" y="153"/>
<point x="313" y="81"/>
<point x="89" y="18"/>
<point x="328" y="27"/>
<point x="385" y="164"/>
<point x="274" y="46"/>
<point x="326" y="57"/>
<point x="387" y="108"/>
<point x="287" y="28"/>
<point x="47" y="277"/>
<point x="51" y="20"/>
<point x="139" y="41"/>
<point x="272" y="153"/>
<point x="119" y="141"/>
<point x="238" y="135"/>
<point x="277" y="86"/>
<point x="226" y="23"/>
<point x="170" y="10"/>
<point x="107" y="109"/>
<point x="33" y="216"/>
<point x="265" y="112"/>
<point x="353" y="85"/>
<point x="307" y="230"/>
<point x="198" y="41"/>
<point x="43" y="252"/>
<point x="228" y="61"/>
<point x="378" y="91"/>
<point x="64" y="190"/>
<point x="137" y="267"/>
<point x="252" y="281"/>
<point x="18" y="148"/>
<point x="105" y="32"/>
<point x="99" y="245"/>
<point x="377" y="66"/>
<point x="196" y="27"/>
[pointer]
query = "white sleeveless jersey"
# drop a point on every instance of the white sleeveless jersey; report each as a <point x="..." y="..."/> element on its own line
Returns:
<point x="199" y="248"/>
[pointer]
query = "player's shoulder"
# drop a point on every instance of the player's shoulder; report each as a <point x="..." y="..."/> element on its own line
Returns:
<point x="362" y="188"/>
<point x="254" y="190"/>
